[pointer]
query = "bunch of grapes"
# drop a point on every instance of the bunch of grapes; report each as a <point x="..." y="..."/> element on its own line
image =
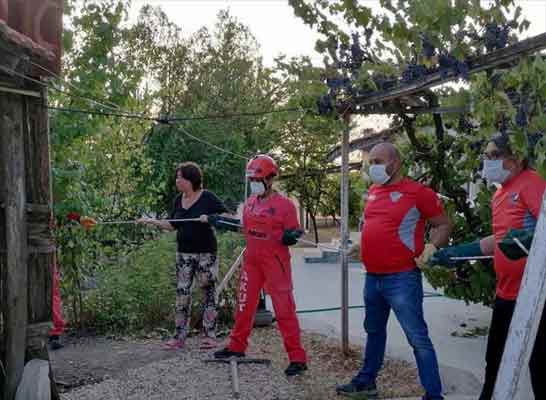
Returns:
<point x="414" y="72"/>
<point x="429" y="49"/>
<point x="357" y="53"/>
<point x="465" y="125"/>
<point x="338" y="83"/>
<point x="325" y="105"/>
<point x="496" y="37"/>
<point x="521" y="116"/>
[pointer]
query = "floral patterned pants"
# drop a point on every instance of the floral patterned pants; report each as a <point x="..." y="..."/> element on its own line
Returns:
<point x="204" y="266"/>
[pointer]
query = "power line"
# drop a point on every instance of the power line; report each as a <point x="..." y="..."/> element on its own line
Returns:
<point x="105" y="113"/>
<point x="111" y="105"/>
<point x="235" y="115"/>
<point x="185" y="132"/>
<point x="120" y="112"/>
<point x="126" y="114"/>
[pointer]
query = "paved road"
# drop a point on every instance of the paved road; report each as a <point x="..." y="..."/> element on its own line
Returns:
<point x="461" y="359"/>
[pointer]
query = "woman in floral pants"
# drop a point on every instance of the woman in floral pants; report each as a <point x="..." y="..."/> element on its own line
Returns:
<point x="196" y="256"/>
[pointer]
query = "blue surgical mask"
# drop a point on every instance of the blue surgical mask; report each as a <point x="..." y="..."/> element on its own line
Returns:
<point x="257" y="187"/>
<point x="494" y="172"/>
<point x="378" y="174"/>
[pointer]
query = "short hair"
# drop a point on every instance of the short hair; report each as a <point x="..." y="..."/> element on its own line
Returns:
<point x="502" y="141"/>
<point x="191" y="172"/>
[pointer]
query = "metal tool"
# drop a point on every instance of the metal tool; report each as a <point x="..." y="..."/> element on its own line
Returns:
<point x="233" y="362"/>
<point x="136" y="221"/>
<point x="521" y="246"/>
<point x="471" y="258"/>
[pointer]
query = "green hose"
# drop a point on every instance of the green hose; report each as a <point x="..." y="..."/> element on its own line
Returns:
<point x="316" y="310"/>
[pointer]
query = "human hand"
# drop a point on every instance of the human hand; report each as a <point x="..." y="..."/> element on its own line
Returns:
<point x="423" y="259"/>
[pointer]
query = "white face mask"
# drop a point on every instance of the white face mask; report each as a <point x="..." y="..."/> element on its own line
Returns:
<point x="494" y="172"/>
<point x="257" y="187"/>
<point x="378" y="174"/>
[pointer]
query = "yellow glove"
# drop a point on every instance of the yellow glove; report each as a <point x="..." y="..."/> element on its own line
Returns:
<point x="87" y="222"/>
<point x="428" y="251"/>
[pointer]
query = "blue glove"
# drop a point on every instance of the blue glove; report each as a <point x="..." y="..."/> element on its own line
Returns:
<point x="444" y="256"/>
<point x="290" y="236"/>
<point x="511" y="249"/>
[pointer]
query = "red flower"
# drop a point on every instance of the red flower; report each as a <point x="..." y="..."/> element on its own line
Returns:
<point x="73" y="216"/>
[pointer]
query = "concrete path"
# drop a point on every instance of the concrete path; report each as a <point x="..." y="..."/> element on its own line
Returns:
<point x="461" y="358"/>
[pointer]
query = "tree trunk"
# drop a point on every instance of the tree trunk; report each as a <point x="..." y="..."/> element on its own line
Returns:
<point x="315" y="229"/>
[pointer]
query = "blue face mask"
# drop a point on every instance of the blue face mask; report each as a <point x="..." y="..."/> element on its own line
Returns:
<point x="378" y="174"/>
<point x="257" y="187"/>
<point x="494" y="172"/>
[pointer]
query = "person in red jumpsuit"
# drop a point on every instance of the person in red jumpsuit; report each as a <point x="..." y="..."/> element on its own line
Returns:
<point x="270" y="225"/>
<point x="55" y="334"/>
<point x="516" y="207"/>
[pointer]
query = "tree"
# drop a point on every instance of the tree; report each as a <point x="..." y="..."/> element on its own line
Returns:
<point x="211" y="73"/>
<point x="406" y="40"/>
<point x="305" y="138"/>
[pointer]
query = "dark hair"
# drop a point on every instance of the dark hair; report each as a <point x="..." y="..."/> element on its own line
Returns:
<point x="191" y="172"/>
<point x="502" y="141"/>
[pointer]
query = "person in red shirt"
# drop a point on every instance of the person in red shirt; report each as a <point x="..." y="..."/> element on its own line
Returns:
<point x="393" y="237"/>
<point x="55" y="334"/>
<point x="516" y="206"/>
<point x="270" y="225"/>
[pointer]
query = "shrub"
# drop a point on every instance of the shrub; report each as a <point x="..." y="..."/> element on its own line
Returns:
<point x="138" y="292"/>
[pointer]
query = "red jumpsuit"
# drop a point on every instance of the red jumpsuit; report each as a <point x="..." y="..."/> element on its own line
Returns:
<point x="267" y="265"/>
<point x="56" y="304"/>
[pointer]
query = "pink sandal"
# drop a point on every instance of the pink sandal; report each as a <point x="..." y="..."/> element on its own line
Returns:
<point x="208" y="343"/>
<point x="173" y="344"/>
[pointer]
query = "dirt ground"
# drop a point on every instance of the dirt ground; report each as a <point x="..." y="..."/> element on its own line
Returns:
<point x="90" y="360"/>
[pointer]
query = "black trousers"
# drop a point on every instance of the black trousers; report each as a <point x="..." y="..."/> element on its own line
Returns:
<point x="498" y="332"/>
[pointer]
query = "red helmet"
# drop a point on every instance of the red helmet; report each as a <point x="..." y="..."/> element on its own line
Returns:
<point x="261" y="166"/>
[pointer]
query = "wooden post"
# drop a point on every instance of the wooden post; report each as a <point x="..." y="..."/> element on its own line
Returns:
<point x="345" y="237"/>
<point x="14" y="198"/>
<point x="527" y="314"/>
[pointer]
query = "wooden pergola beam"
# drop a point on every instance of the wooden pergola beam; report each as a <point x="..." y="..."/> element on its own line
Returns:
<point x="364" y="143"/>
<point x="477" y="64"/>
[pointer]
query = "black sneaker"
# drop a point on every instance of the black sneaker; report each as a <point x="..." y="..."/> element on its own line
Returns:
<point x="55" y="342"/>
<point x="227" y="353"/>
<point x="362" y="392"/>
<point x="295" y="368"/>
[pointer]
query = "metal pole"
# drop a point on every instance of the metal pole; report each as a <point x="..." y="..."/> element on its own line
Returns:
<point x="345" y="237"/>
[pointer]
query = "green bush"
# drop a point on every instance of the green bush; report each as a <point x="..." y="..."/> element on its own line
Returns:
<point x="138" y="292"/>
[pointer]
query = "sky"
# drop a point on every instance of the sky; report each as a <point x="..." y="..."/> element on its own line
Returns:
<point x="276" y="28"/>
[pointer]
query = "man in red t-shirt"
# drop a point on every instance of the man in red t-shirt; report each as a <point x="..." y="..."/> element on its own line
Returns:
<point x="393" y="237"/>
<point x="516" y="205"/>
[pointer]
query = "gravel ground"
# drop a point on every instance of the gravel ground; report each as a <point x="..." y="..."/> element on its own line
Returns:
<point x="186" y="376"/>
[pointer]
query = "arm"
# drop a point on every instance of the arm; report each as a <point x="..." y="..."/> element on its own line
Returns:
<point x="163" y="225"/>
<point x="291" y="226"/>
<point x="441" y="228"/>
<point x="487" y="245"/>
